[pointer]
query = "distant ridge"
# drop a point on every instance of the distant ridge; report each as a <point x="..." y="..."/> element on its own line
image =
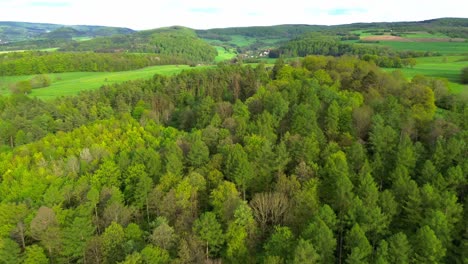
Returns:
<point x="293" y="30"/>
<point x="26" y="36"/>
<point x="13" y="31"/>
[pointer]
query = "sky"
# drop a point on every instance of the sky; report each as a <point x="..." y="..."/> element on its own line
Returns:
<point x="203" y="14"/>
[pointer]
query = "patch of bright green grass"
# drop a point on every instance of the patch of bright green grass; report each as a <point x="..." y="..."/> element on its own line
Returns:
<point x="361" y="33"/>
<point x="423" y="34"/>
<point x="82" y="38"/>
<point x="273" y="40"/>
<point x="50" y="49"/>
<point x="441" y="47"/>
<point x="448" y="67"/>
<point x="241" y="41"/>
<point x="8" y="51"/>
<point x="224" y="54"/>
<point x="71" y="83"/>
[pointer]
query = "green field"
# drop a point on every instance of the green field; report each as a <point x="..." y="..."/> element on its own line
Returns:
<point x="422" y="34"/>
<point x="48" y="49"/>
<point x="71" y="83"/>
<point x="444" y="47"/>
<point x="361" y="33"/>
<point x="448" y="67"/>
<point x="450" y="48"/>
<point x="82" y="38"/>
<point x="237" y="40"/>
<point x="8" y="51"/>
<point x="224" y="54"/>
<point x="415" y="34"/>
<point x="242" y="41"/>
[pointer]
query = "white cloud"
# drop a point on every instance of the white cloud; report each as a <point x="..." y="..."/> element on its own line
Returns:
<point x="143" y="14"/>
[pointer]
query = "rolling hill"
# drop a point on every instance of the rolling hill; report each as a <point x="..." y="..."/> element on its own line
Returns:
<point x="22" y="31"/>
<point x="174" y="41"/>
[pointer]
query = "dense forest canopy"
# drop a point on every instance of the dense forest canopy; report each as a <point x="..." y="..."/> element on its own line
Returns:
<point x="324" y="160"/>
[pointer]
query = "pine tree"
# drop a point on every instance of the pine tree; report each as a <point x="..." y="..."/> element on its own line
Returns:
<point x="427" y="247"/>
<point x="357" y="245"/>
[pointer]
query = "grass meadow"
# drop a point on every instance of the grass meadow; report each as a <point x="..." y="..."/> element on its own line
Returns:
<point x="224" y="54"/>
<point x="445" y="48"/>
<point x="454" y="57"/>
<point x="242" y="41"/>
<point x="422" y="34"/>
<point x="71" y="83"/>
<point x="448" y="67"/>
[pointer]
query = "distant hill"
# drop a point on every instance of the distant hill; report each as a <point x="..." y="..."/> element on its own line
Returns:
<point x="24" y="31"/>
<point x="196" y="45"/>
<point x="174" y="41"/>
<point x="454" y="27"/>
<point x="21" y="31"/>
<point x="280" y="31"/>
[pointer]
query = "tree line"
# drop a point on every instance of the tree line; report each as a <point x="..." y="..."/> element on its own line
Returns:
<point x="320" y="44"/>
<point x="40" y="62"/>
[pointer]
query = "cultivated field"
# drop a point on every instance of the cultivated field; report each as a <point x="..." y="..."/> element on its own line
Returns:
<point x="71" y="83"/>
<point x="224" y="54"/>
<point x="448" y="67"/>
<point x="452" y="48"/>
<point x="417" y="41"/>
<point x="454" y="54"/>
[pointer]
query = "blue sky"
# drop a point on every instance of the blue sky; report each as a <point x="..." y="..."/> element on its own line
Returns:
<point x="201" y="14"/>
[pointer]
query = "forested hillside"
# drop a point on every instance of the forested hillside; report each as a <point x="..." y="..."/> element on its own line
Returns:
<point x="327" y="160"/>
<point x="175" y="41"/>
<point x="22" y="31"/>
<point x="453" y="27"/>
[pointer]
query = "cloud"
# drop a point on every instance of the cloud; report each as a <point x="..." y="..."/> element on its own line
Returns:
<point x="345" y="11"/>
<point x="200" y="14"/>
<point x="254" y="14"/>
<point x="206" y="10"/>
<point x="50" y="4"/>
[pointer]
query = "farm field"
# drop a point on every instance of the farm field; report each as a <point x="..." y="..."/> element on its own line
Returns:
<point x="449" y="48"/>
<point x="82" y="38"/>
<point x="223" y="54"/>
<point x="242" y="41"/>
<point x="422" y="34"/>
<point x="448" y="67"/>
<point x="417" y="41"/>
<point x="71" y="83"/>
<point x="245" y="41"/>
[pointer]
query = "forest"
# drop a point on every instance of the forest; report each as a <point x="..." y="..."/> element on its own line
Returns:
<point x="173" y="41"/>
<point x="454" y="27"/>
<point x="40" y="62"/>
<point x="320" y="160"/>
<point x="11" y="31"/>
<point x="321" y="44"/>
